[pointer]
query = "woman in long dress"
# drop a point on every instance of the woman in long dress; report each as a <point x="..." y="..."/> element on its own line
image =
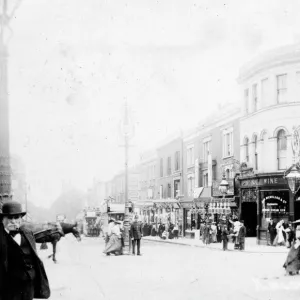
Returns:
<point x="114" y="244"/>
<point x="292" y="263"/>
<point x="279" y="239"/>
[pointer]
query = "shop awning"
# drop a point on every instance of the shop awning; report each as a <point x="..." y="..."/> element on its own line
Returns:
<point x="143" y="203"/>
<point x="197" y="192"/>
<point x="203" y="194"/>
<point x="167" y="202"/>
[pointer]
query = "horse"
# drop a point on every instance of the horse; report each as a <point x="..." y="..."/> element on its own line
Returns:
<point x="52" y="233"/>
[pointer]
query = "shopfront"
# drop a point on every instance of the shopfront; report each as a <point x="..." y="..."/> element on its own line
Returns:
<point x="264" y="197"/>
<point x="167" y="211"/>
<point x="206" y="208"/>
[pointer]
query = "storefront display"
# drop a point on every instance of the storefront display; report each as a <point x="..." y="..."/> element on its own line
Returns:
<point x="211" y="210"/>
<point x="264" y="197"/>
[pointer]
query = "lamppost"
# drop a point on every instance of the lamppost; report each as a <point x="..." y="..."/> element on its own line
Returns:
<point x="7" y="12"/>
<point x="127" y="132"/>
<point x="223" y="187"/>
<point x="292" y="174"/>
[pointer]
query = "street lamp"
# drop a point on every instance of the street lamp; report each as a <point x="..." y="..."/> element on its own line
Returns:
<point x="223" y="187"/>
<point x="292" y="175"/>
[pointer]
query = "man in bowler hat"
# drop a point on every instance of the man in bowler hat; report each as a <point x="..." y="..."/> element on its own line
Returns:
<point x="22" y="273"/>
<point x="136" y="235"/>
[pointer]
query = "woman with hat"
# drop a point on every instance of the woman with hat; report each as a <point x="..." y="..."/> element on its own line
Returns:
<point x="114" y="245"/>
<point x="22" y="273"/>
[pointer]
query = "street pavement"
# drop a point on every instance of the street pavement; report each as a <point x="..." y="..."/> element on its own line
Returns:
<point x="166" y="271"/>
<point x="251" y="245"/>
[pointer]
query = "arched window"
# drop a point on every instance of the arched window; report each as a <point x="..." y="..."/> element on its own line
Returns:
<point x="255" y="152"/>
<point x="246" y="144"/>
<point x="281" y="149"/>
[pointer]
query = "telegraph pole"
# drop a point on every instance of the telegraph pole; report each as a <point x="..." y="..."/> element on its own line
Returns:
<point x="127" y="131"/>
<point x="5" y="35"/>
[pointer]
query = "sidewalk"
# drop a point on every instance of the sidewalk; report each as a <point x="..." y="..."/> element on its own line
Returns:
<point x="250" y="245"/>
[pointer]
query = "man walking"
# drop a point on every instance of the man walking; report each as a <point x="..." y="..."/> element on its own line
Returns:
<point x="136" y="235"/>
<point x="241" y="236"/>
<point x="22" y="273"/>
<point x="225" y="238"/>
<point x="272" y="231"/>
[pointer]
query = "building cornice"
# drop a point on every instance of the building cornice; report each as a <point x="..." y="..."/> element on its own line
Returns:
<point x="275" y="58"/>
<point x="221" y="122"/>
<point x="271" y="107"/>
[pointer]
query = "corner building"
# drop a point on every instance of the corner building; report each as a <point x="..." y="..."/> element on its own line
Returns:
<point x="270" y="89"/>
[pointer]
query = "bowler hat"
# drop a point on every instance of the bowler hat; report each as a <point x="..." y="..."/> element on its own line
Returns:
<point x="12" y="208"/>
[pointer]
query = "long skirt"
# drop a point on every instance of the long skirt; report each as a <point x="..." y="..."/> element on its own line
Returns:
<point x="113" y="245"/>
<point x="292" y="263"/>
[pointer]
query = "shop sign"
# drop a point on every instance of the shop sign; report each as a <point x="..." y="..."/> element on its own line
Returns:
<point x="274" y="197"/>
<point x="263" y="181"/>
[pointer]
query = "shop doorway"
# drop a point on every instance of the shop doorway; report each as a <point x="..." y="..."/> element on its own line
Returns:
<point x="297" y="210"/>
<point x="249" y="215"/>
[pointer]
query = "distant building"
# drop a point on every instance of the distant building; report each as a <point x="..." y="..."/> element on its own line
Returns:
<point x="96" y="194"/>
<point x="148" y="165"/>
<point x="210" y="151"/>
<point x="115" y="188"/>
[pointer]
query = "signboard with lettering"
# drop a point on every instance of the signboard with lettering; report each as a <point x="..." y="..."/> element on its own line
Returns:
<point x="275" y="203"/>
<point x="265" y="181"/>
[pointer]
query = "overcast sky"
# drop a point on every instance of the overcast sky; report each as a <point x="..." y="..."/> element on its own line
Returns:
<point x="74" y="63"/>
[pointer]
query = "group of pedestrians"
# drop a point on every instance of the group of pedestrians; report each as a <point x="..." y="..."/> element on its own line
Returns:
<point x="114" y="238"/>
<point x="281" y="233"/>
<point x="168" y="230"/>
<point x="210" y="232"/>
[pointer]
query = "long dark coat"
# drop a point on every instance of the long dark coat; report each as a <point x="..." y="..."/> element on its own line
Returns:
<point x="292" y="262"/>
<point x="41" y="289"/>
<point x="136" y="230"/>
<point x="242" y="234"/>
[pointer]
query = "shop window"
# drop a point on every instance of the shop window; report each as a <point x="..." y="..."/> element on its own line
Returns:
<point x="281" y="149"/>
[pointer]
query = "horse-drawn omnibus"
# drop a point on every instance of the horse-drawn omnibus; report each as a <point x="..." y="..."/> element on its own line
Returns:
<point x="91" y="222"/>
